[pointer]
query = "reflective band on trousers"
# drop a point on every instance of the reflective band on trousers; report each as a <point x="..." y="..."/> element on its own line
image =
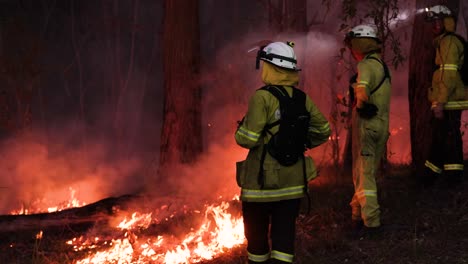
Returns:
<point x="449" y="67"/>
<point x="282" y="256"/>
<point x="371" y="193"/>
<point x="455" y="167"/>
<point x="258" y="258"/>
<point x="248" y="134"/>
<point x="272" y="193"/>
<point x="433" y="167"/>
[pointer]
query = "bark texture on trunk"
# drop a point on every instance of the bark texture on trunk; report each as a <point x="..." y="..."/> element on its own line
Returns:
<point x="181" y="139"/>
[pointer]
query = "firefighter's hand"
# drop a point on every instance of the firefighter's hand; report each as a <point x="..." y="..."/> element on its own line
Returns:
<point x="360" y="95"/>
<point x="438" y="110"/>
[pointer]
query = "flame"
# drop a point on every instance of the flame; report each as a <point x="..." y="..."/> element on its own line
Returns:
<point x="38" y="205"/>
<point x="138" y="220"/>
<point x="219" y="232"/>
<point x="39" y="235"/>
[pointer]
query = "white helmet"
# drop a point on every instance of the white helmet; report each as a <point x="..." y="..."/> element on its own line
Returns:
<point x="437" y="11"/>
<point x="280" y="54"/>
<point x="363" y="31"/>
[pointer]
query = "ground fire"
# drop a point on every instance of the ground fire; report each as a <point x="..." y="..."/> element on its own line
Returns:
<point x="168" y="234"/>
<point x="218" y="230"/>
<point x="39" y="206"/>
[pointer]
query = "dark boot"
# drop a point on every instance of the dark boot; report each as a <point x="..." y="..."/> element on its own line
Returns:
<point x="356" y="225"/>
<point x="355" y="228"/>
<point x="369" y="232"/>
<point x="454" y="180"/>
<point x="428" y="180"/>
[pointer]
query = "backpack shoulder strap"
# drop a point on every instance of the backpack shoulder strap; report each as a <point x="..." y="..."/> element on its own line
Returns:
<point x="277" y="90"/>
<point x="299" y="96"/>
<point x="281" y="94"/>
<point x="386" y="74"/>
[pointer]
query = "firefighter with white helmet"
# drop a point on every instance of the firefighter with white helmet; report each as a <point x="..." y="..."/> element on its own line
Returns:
<point x="271" y="191"/>
<point x="363" y="31"/>
<point x="437" y="12"/>
<point x="280" y="54"/>
<point x="446" y="151"/>
<point x="370" y="125"/>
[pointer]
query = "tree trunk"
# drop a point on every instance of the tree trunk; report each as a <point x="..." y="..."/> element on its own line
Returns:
<point x="464" y="16"/>
<point x="421" y="66"/>
<point x="181" y="139"/>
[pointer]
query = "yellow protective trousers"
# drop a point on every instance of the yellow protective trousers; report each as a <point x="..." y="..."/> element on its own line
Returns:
<point x="369" y="137"/>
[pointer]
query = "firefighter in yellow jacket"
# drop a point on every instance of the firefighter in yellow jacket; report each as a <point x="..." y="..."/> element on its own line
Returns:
<point x="446" y="151"/>
<point x="370" y="121"/>
<point x="271" y="192"/>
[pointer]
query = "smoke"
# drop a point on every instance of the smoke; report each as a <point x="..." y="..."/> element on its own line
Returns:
<point x="38" y="175"/>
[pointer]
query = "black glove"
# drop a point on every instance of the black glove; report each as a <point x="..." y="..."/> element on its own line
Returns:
<point x="367" y="111"/>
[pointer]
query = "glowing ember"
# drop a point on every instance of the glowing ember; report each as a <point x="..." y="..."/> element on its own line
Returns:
<point x="218" y="232"/>
<point x="38" y="206"/>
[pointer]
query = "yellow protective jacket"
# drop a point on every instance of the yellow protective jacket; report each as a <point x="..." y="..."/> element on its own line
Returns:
<point x="280" y="182"/>
<point x="447" y="85"/>
<point x="370" y="74"/>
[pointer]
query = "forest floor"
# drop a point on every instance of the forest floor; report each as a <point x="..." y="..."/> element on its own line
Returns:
<point x="422" y="226"/>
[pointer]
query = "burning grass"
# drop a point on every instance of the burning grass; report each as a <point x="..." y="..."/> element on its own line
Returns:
<point x="424" y="226"/>
<point x="218" y="232"/>
<point x="41" y="205"/>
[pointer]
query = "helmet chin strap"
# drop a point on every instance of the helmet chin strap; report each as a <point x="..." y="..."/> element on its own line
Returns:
<point x="260" y="54"/>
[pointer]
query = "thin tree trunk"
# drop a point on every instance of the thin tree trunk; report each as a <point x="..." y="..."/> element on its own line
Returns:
<point x="464" y="16"/>
<point x="286" y="16"/>
<point x="421" y="66"/>
<point x="295" y="20"/>
<point x="82" y="90"/>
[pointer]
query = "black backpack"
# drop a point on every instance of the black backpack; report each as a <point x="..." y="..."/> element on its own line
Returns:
<point x="288" y="145"/>
<point x="464" y="68"/>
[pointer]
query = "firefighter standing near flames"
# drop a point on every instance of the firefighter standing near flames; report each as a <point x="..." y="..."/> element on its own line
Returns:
<point x="371" y="89"/>
<point x="446" y="150"/>
<point x="275" y="197"/>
